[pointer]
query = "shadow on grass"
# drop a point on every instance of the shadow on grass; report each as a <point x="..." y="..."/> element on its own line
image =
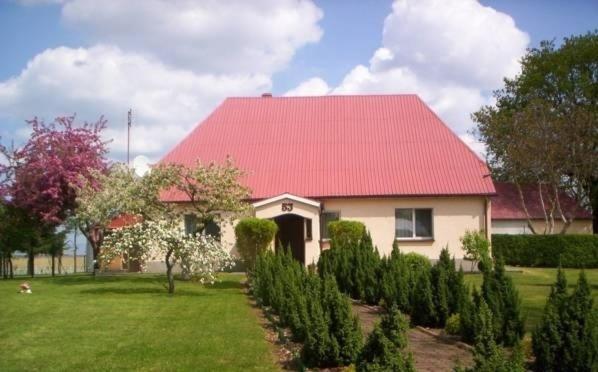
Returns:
<point x="90" y="279"/>
<point x="142" y="291"/>
<point x="225" y="284"/>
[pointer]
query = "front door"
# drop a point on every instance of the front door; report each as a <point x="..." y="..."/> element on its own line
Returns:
<point x="291" y="234"/>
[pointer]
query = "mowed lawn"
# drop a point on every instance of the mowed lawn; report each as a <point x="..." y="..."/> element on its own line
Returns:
<point x="534" y="286"/>
<point x="129" y="323"/>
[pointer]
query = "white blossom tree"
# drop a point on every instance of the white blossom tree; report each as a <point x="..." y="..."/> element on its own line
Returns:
<point x="166" y="241"/>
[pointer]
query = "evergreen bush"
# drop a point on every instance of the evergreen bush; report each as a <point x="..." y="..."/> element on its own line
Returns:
<point x="253" y="236"/>
<point x="385" y="346"/>
<point x="567" y="337"/>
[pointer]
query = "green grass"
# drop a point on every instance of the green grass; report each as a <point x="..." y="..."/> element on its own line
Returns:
<point x="113" y="323"/>
<point x="534" y="286"/>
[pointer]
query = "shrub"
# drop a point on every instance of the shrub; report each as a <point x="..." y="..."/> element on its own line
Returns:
<point x="423" y="312"/>
<point x="355" y="266"/>
<point x="385" y="346"/>
<point x="395" y="280"/>
<point x="547" y="250"/>
<point x="567" y="337"/>
<point x="488" y="356"/>
<point x="254" y="235"/>
<point x="345" y="233"/>
<point x="453" y="325"/>
<point x="476" y="247"/>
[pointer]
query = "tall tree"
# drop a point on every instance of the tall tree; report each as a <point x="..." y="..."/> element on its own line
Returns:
<point x="543" y="129"/>
<point x="41" y="177"/>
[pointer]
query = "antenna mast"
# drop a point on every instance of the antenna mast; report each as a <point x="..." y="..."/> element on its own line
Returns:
<point x="129" y="118"/>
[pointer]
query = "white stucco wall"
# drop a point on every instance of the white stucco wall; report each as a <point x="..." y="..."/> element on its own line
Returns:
<point x="521" y="227"/>
<point x="452" y="217"/>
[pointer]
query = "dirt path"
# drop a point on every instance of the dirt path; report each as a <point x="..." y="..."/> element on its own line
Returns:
<point x="429" y="353"/>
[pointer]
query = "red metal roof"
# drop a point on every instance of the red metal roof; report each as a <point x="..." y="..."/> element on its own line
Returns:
<point x="336" y="146"/>
<point x="506" y="205"/>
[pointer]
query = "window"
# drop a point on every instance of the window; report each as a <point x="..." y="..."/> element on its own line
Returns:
<point x="213" y="229"/>
<point x="413" y="223"/>
<point x="325" y="218"/>
<point x="308" y="234"/>
<point x="190" y="224"/>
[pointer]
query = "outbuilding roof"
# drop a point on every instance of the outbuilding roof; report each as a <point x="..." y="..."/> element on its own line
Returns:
<point x="336" y="146"/>
<point x="506" y="204"/>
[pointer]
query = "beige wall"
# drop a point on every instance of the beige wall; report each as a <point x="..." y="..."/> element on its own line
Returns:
<point x="452" y="216"/>
<point x="521" y="227"/>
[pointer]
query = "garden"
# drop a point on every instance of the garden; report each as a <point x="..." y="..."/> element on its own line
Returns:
<point x="315" y="307"/>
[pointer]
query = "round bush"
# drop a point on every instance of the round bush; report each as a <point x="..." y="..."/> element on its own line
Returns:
<point x="453" y="325"/>
<point x="254" y="235"/>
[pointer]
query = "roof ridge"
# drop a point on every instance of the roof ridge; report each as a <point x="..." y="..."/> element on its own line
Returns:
<point x="329" y="96"/>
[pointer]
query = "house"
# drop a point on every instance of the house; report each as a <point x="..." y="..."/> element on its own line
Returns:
<point x="385" y="160"/>
<point x="509" y="217"/>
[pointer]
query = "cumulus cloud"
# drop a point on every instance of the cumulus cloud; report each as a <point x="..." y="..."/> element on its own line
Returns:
<point x="233" y="36"/>
<point x="167" y="102"/>
<point x="452" y="53"/>
<point x="311" y="87"/>
<point x="172" y="61"/>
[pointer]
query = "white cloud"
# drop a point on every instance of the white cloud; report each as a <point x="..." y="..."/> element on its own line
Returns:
<point x="233" y="36"/>
<point x="311" y="87"/>
<point x="166" y="102"/>
<point x="172" y="61"/>
<point x="451" y="53"/>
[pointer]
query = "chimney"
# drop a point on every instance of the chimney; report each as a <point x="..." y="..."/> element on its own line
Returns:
<point x="267" y="95"/>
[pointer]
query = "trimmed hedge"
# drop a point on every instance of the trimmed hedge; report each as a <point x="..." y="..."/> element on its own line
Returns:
<point x="575" y="250"/>
<point x="254" y="235"/>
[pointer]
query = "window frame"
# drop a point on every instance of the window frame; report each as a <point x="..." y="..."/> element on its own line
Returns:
<point x="414" y="236"/>
<point x="338" y="213"/>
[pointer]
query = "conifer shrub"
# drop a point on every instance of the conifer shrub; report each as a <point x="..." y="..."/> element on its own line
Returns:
<point x="344" y="233"/>
<point x="423" y="311"/>
<point x="385" y="346"/>
<point x="253" y="236"/>
<point x="488" y="356"/>
<point x="567" y="337"/>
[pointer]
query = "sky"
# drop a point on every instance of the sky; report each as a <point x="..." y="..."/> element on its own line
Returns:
<point x="173" y="61"/>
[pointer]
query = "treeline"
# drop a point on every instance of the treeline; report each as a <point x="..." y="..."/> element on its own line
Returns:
<point x="19" y="232"/>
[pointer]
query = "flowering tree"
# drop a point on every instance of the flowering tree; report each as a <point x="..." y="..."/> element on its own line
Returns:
<point x="118" y="191"/>
<point x="41" y="176"/>
<point x="167" y="242"/>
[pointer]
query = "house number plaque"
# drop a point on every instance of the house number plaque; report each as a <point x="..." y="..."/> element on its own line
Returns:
<point x="287" y="207"/>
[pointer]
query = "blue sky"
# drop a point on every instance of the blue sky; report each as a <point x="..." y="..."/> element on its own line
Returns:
<point x="173" y="61"/>
<point x="321" y="47"/>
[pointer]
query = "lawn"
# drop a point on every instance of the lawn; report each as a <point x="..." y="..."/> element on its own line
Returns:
<point x="114" y="323"/>
<point x="534" y="286"/>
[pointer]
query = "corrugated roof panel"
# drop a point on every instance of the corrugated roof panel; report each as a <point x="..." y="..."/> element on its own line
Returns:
<point x="377" y="145"/>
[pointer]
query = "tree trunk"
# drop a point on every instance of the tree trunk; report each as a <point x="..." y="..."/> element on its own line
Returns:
<point x="60" y="264"/>
<point x="53" y="263"/>
<point x="594" y="203"/>
<point x="31" y="263"/>
<point x="169" y="274"/>
<point x="11" y="272"/>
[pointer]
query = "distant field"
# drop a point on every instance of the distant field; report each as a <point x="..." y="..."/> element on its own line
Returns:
<point x="534" y="286"/>
<point x="43" y="264"/>
<point x="129" y="322"/>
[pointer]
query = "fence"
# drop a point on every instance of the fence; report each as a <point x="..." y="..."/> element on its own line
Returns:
<point x="43" y="265"/>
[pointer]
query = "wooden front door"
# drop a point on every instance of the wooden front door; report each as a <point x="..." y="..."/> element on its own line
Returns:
<point x="291" y="234"/>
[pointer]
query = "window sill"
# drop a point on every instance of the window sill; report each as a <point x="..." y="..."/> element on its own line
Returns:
<point x="415" y="240"/>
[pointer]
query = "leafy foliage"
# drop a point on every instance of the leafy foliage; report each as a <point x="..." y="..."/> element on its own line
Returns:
<point x="253" y="236"/>
<point x="569" y="250"/>
<point x="200" y="255"/>
<point x="385" y="347"/>
<point x="41" y="177"/>
<point x="476" y="247"/>
<point x="567" y="337"/>
<point x="315" y="310"/>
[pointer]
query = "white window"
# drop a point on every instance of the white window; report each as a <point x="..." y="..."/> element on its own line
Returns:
<point x="413" y="223"/>
<point x="325" y="218"/>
